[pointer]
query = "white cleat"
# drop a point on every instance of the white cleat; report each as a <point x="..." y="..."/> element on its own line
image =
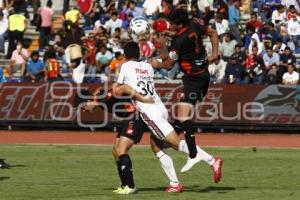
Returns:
<point x="190" y="163"/>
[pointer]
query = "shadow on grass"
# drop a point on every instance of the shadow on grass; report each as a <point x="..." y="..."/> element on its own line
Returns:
<point x="13" y="166"/>
<point x="195" y="188"/>
<point x="3" y="178"/>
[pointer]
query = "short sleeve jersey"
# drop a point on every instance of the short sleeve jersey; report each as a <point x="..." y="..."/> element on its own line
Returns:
<point x="187" y="47"/>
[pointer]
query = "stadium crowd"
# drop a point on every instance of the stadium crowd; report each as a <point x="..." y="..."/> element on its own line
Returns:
<point x="259" y="51"/>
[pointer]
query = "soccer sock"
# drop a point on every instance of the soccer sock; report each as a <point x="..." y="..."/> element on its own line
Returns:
<point x="126" y="170"/>
<point x="120" y="173"/>
<point x="189" y="135"/>
<point x="167" y="165"/>
<point x="209" y="159"/>
<point x="183" y="147"/>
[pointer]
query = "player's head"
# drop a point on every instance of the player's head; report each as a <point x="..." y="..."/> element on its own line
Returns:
<point x="179" y="18"/>
<point x="132" y="51"/>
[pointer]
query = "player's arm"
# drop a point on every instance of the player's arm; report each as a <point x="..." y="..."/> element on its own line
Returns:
<point x="123" y="89"/>
<point x="214" y="39"/>
<point x="168" y="58"/>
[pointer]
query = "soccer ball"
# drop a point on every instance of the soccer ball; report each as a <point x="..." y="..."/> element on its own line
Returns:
<point x="139" y="26"/>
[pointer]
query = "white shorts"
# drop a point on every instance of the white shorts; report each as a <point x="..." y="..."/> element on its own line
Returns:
<point x="156" y="118"/>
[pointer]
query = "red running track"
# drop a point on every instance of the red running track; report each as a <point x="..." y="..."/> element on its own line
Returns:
<point x="107" y="138"/>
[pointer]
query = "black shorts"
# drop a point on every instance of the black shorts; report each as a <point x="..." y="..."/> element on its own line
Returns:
<point x="195" y="88"/>
<point x="132" y="129"/>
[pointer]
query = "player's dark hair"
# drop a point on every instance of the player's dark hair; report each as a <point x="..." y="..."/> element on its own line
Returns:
<point x="132" y="50"/>
<point x="179" y="16"/>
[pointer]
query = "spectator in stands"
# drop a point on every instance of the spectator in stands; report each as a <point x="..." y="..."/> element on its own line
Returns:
<point x="271" y="58"/>
<point x="18" y="61"/>
<point x="73" y="15"/>
<point x="20" y="6"/>
<point x="292" y="12"/>
<point x="255" y="42"/>
<point x="222" y="8"/>
<point x="285" y="58"/>
<point x="35" y="71"/>
<point x="52" y="67"/>
<point x="254" y="22"/>
<point x="291" y="77"/>
<point x="73" y="34"/>
<point x="205" y="11"/>
<point x="269" y="31"/>
<point x="255" y="74"/>
<point x="234" y="72"/>
<point x="115" y="65"/>
<point x="227" y="47"/>
<point x="250" y="58"/>
<point x="234" y="19"/>
<point x="46" y="23"/>
<point x="279" y="15"/>
<point x="17" y="26"/>
<point x="95" y="13"/>
<point x="126" y="22"/>
<point x="239" y="54"/>
<point x="134" y="9"/>
<point x="294" y="30"/>
<point x="152" y="8"/>
<point x="217" y="70"/>
<point x="103" y="59"/>
<point x="3" y="32"/>
<point x="272" y="74"/>
<point x="221" y="26"/>
<point x="66" y="6"/>
<point x="289" y="3"/>
<point x="85" y="7"/>
<point x="113" y="23"/>
<point x="279" y="46"/>
<point x="167" y="7"/>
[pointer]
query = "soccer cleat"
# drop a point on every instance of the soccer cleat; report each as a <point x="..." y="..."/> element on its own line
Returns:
<point x="217" y="168"/>
<point x="126" y="190"/>
<point x="118" y="189"/>
<point x="174" y="189"/>
<point x="3" y="165"/>
<point x="190" y="163"/>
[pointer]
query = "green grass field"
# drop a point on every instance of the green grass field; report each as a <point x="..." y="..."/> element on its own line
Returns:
<point x="88" y="173"/>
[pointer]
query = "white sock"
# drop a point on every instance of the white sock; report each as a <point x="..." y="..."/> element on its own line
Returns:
<point x="168" y="167"/>
<point x="209" y="159"/>
<point x="204" y="156"/>
<point x="183" y="147"/>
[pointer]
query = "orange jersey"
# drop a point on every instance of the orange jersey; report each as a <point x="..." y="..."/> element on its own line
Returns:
<point x="53" y="68"/>
<point x="115" y="64"/>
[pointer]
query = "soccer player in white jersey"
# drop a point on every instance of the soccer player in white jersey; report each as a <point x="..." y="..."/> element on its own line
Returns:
<point x="139" y="75"/>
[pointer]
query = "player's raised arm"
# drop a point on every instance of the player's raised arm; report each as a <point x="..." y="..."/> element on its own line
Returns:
<point x="213" y="35"/>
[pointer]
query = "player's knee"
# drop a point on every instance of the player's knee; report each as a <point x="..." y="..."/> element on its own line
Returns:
<point x="187" y="125"/>
<point x="173" y="140"/>
<point x="154" y="147"/>
<point x="115" y="152"/>
<point x="120" y="150"/>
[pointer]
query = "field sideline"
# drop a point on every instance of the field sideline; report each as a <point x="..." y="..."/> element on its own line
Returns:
<point x="87" y="172"/>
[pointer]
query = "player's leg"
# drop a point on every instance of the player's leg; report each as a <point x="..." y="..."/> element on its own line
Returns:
<point x="125" y="163"/>
<point x="166" y="164"/>
<point x="195" y="91"/>
<point x="116" y="157"/>
<point x="131" y="134"/>
<point x="185" y="122"/>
